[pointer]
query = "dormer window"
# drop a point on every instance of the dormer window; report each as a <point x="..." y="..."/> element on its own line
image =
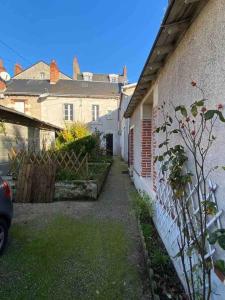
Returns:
<point x="42" y="75"/>
<point x="113" y="78"/>
<point x="87" y="76"/>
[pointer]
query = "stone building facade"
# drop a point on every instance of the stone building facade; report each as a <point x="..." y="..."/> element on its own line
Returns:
<point x="44" y="92"/>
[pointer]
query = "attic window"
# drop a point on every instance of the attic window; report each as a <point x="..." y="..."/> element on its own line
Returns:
<point x="87" y="76"/>
<point x="113" y="78"/>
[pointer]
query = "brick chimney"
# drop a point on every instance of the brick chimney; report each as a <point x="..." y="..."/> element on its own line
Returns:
<point x="2" y="83"/>
<point x="125" y="73"/>
<point x="54" y="72"/>
<point x="17" y="69"/>
<point x="76" y="68"/>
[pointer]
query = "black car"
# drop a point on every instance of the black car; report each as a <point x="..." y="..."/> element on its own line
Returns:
<point x="6" y="212"/>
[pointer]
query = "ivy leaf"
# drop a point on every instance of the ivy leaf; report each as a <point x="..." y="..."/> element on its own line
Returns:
<point x="220" y="265"/>
<point x="171" y="120"/>
<point x="200" y="103"/>
<point x="209" y="207"/>
<point x="160" y="158"/>
<point x="194" y="110"/>
<point x="182" y="109"/>
<point x="221" y="241"/>
<point x="174" y="131"/>
<point x="212" y="239"/>
<point x="210" y="114"/>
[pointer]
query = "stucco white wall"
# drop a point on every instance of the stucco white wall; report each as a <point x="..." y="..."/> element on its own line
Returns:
<point x="201" y="57"/>
<point x="126" y="94"/>
<point x="52" y="111"/>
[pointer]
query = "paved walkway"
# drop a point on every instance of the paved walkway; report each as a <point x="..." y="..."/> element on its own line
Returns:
<point x="114" y="203"/>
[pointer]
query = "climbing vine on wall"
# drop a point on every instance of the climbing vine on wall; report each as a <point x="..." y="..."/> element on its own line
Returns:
<point x="194" y="126"/>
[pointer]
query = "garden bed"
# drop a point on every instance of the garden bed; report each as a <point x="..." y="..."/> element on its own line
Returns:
<point x="76" y="187"/>
<point x="164" y="281"/>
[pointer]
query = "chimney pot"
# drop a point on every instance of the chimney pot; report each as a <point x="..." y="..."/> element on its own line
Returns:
<point x="76" y="68"/>
<point x="54" y="72"/>
<point x="17" y="69"/>
<point x="125" y="73"/>
<point x="1" y="66"/>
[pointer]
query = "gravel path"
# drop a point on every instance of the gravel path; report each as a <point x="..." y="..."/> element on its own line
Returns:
<point x="114" y="203"/>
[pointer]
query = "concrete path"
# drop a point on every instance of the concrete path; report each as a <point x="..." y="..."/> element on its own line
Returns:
<point x="114" y="203"/>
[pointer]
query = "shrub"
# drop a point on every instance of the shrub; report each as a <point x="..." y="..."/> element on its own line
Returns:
<point x="87" y="144"/>
<point x="71" y="133"/>
<point x="77" y="137"/>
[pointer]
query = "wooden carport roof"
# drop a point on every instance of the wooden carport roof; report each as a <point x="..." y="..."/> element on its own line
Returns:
<point x="9" y="115"/>
<point x="179" y="16"/>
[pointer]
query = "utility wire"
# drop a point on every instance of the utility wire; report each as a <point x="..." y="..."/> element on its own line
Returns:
<point x="16" y="52"/>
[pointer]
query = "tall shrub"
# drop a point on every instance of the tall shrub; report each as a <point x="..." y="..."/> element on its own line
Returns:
<point x="72" y="133"/>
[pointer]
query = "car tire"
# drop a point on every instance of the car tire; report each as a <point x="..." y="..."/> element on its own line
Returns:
<point x="3" y="235"/>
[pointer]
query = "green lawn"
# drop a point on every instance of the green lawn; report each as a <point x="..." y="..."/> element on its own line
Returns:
<point x="68" y="259"/>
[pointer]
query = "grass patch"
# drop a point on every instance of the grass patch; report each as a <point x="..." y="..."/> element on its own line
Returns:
<point x="68" y="259"/>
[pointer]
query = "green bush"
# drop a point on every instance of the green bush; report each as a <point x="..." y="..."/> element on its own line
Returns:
<point x="86" y="144"/>
<point x="71" y="133"/>
<point x="77" y="137"/>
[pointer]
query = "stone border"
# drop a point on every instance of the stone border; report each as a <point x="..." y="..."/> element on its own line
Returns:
<point x="81" y="189"/>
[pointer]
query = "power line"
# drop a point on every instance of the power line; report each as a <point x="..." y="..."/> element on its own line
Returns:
<point x="16" y="52"/>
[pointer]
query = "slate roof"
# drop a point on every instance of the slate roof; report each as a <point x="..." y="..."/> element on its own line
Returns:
<point x="102" y="77"/>
<point x="62" y="87"/>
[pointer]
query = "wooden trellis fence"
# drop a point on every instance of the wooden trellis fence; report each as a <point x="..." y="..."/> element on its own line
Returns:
<point x="62" y="160"/>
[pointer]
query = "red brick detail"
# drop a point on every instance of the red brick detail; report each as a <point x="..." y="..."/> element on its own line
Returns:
<point x="76" y="68"/>
<point x="2" y="83"/>
<point x="54" y="72"/>
<point x="146" y="151"/>
<point x="131" y="147"/>
<point x="154" y="145"/>
<point x="17" y="69"/>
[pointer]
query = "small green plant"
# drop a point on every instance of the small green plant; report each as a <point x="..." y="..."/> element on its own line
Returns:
<point x="159" y="258"/>
<point x="143" y="206"/>
<point x="2" y="128"/>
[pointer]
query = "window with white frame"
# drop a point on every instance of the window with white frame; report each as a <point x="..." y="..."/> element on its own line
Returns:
<point x="95" y="112"/>
<point x="19" y="106"/>
<point x="113" y="78"/>
<point x="68" y="112"/>
<point x="87" y="76"/>
<point x="42" y="75"/>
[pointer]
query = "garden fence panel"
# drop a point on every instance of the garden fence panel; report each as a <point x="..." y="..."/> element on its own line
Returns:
<point x="62" y="160"/>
